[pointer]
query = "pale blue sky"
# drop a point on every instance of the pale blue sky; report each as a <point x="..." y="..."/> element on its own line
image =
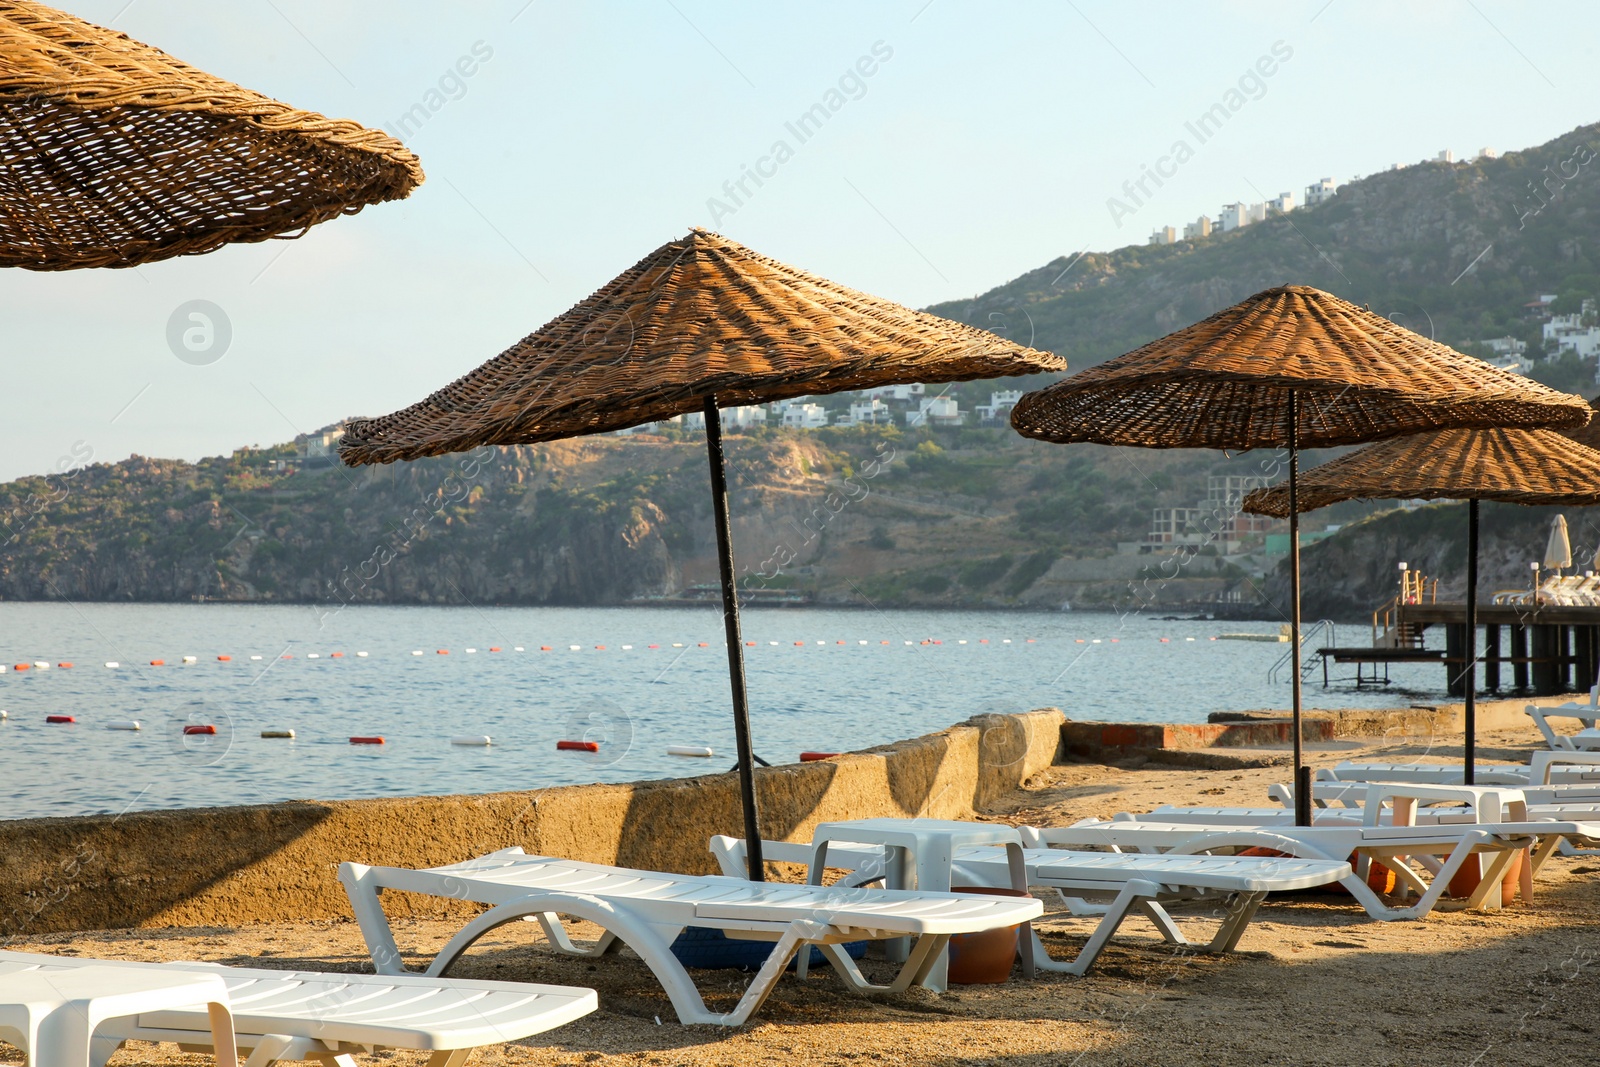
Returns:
<point x="985" y="145"/>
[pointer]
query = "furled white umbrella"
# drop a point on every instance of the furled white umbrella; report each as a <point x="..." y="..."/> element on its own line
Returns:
<point x="1558" y="552"/>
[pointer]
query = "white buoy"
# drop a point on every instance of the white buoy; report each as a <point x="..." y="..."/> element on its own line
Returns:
<point x="255" y="657"/>
<point x="472" y="739"/>
<point x="191" y="659"/>
<point x="361" y="655"/>
<point x="40" y="665"/>
<point x="677" y="644"/>
<point x="627" y="648"/>
<point x="774" y="644"/>
<point x="689" y="750"/>
<point x="309" y="655"/>
<point x="960" y="642"/>
<point x="3" y="716"/>
<point x="416" y="652"/>
<point x="908" y="642"/>
<point x="470" y="651"/>
<point x="573" y="648"/>
<point x="860" y="642"/>
<point x="518" y="648"/>
<point x="287" y="734"/>
<point x="123" y="724"/>
<point x="1006" y="641"/>
<point x="113" y="664"/>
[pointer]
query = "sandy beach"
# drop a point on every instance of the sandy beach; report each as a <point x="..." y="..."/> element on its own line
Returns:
<point x="1315" y="981"/>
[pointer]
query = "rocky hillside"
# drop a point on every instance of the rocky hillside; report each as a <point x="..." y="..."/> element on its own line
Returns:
<point x="962" y="517"/>
<point x="1401" y="242"/>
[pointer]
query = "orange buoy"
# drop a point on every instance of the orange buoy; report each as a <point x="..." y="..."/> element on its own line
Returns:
<point x="705" y="644"/>
<point x="64" y="666"/>
<point x="492" y="648"/>
<point x="196" y="728"/>
<point x="59" y="718"/>
<point x="336" y="655"/>
<point x="22" y="667"/>
<point x="224" y="659"/>
<point x="578" y="746"/>
<point x="443" y="651"/>
<point x="600" y="648"/>
<point x="366" y="741"/>
<point x="158" y="663"/>
<point x="812" y="757"/>
<point x="545" y="648"/>
<point x="751" y="644"/>
<point x="653" y="646"/>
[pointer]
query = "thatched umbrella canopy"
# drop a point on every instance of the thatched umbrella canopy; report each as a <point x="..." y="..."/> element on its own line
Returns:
<point x="1291" y="367"/>
<point x="113" y="153"/>
<point x="1532" y="467"/>
<point x="1588" y="435"/>
<point x="701" y="323"/>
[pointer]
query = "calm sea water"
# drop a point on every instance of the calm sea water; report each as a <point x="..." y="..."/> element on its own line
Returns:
<point x="818" y="679"/>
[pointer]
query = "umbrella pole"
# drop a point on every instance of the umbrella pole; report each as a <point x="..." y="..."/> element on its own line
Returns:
<point x="1471" y="714"/>
<point x="1302" y="773"/>
<point x="735" y="638"/>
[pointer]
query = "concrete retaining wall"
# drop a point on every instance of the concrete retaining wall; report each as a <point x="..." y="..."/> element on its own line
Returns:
<point x="226" y="866"/>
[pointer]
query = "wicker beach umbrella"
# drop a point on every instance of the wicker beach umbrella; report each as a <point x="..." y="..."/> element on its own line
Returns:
<point x="700" y="324"/>
<point x="1532" y="467"/>
<point x="113" y="153"/>
<point x="1291" y="367"/>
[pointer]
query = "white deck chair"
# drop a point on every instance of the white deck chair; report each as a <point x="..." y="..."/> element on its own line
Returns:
<point x="303" y="1015"/>
<point x="1440" y="849"/>
<point x="646" y="910"/>
<point x="1585" y="740"/>
<point x="1545" y="767"/>
<point x="1111" y="885"/>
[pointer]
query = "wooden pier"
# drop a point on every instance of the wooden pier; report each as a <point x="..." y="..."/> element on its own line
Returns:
<point x="1552" y="648"/>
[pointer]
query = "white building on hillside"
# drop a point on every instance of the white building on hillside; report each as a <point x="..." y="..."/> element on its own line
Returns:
<point x="936" y="411"/>
<point x="1163" y="235"/>
<point x="1570" y="334"/>
<point x="805" y="417"/>
<point x="998" y="409"/>
<point x="1282" y="204"/>
<point x="1320" y="192"/>
<point x="902" y="393"/>
<point x="870" y="413"/>
<point x="1232" y="217"/>
<point x="741" y="418"/>
<point x="1200" y="227"/>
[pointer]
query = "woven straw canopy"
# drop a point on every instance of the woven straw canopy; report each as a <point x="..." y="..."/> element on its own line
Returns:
<point x="1533" y="467"/>
<point x="1588" y="435"/>
<point x="1225" y="382"/>
<point x="699" y="316"/>
<point x="113" y="153"/>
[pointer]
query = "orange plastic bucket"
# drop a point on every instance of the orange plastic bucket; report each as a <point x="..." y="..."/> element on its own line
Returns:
<point x="984" y="958"/>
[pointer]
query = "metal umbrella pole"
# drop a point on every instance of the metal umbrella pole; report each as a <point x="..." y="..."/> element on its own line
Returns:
<point x="1471" y="747"/>
<point x="735" y="639"/>
<point x="1302" y="773"/>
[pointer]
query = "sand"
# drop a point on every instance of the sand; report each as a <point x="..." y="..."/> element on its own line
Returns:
<point x="1315" y="981"/>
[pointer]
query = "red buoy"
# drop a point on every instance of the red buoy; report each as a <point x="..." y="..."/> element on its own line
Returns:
<point x="366" y="741"/>
<point x="64" y="666"/>
<point x="199" y="729"/>
<point x="224" y="659"/>
<point x="492" y="648"/>
<point x="812" y="757"/>
<point x="22" y="666"/>
<point x="158" y="663"/>
<point x="578" y="746"/>
<point x="544" y="648"/>
<point x="443" y="651"/>
<point x="336" y="655"/>
<point x="59" y="718"/>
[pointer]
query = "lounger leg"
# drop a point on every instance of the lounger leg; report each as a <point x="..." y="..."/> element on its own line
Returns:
<point x="927" y="950"/>
<point x="1487" y="895"/>
<point x="363" y="891"/>
<point x="556" y="934"/>
<point x="1244" y="909"/>
<point x="1132" y="893"/>
<point x="268" y="1050"/>
<point x="449" y="1057"/>
<point x="1161" y="921"/>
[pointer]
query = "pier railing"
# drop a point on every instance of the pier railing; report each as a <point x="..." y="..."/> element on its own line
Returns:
<point x="1318" y="635"/>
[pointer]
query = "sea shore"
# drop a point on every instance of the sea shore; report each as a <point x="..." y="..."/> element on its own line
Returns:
<point x="1315" y="981"/>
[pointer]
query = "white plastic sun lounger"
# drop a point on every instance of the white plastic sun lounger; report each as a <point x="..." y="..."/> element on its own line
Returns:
<point x="303" y="1015"/>
<point x="646" y="910"/>
<point x="1544" y="768"/>
<point x="1093" y="883"/>
<point x="1586" y="739"/>
<point x="1441" y="850"/>
<point x="1578" y="802"/>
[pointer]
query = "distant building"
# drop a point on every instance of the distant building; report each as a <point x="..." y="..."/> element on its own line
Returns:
<point x="1539" y="306"/>
<point x="903" y="394"/>
<point x="1445" y="156"/>
<point x="998" y="409"/>
<point x="1200" y="227"/>
<point x="741" y="418"/>
<point x="1256" y="213"/>
<point x="320" y="448"/>
<point x="1488" y="153"/>
<point x="1232" y="217"/>
<point x="1319" y="192"/>
<point x="1577" y="334"/>
<point x="1283" y="203"/>
<point x="1164" y="235"/>
<point x="936" y="411"/>
<point x="805" y="417"/>
<point x="872" y="412"/>
<point x="1504" y="346"/>
<point x="1217" y="520"/>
